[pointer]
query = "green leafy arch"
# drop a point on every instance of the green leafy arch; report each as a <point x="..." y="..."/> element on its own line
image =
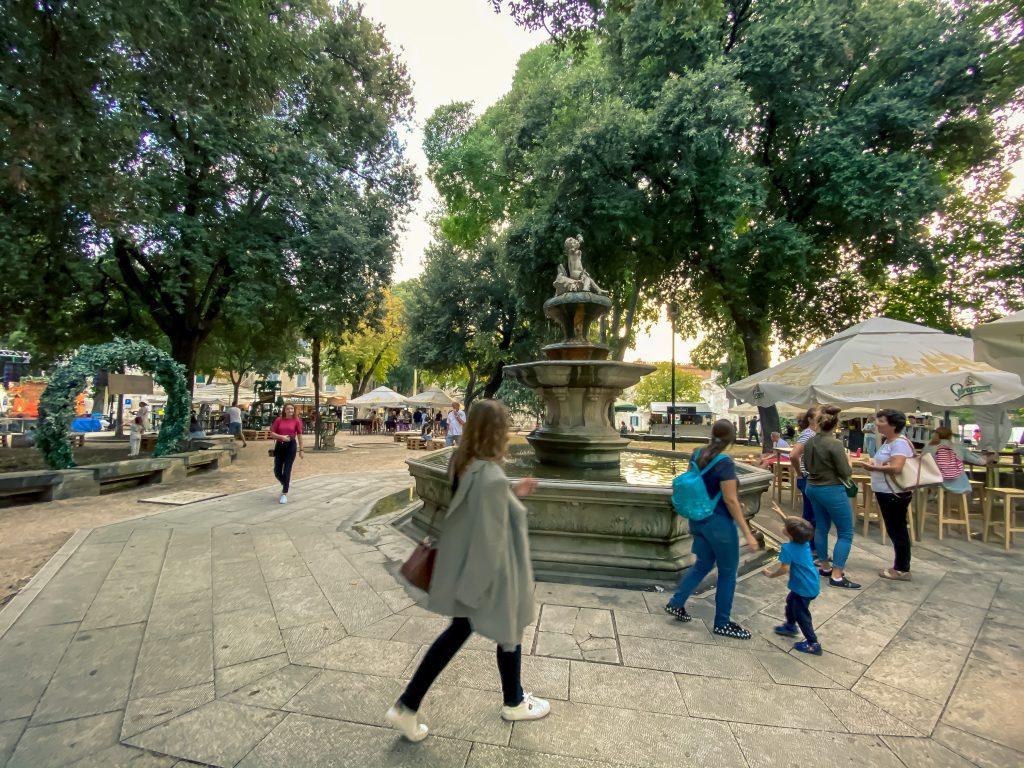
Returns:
<point x="57" y="403"/>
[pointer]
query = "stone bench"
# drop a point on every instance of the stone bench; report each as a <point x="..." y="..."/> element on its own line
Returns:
<point x="117" y="474"/>
<point x="198" y="461"/>
<point x="46" y="485"/>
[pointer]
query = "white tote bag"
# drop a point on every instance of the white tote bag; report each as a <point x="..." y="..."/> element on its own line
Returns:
<point x="919" y="471"/>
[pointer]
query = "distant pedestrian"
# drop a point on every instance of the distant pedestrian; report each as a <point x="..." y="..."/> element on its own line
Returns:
<point x="195" y="429"/>
<point x="893" y="503"/>
<point x="287" y="431"/>
<point x="716" y="538"/>
<point x="482" y="575"/>
<point x="144" y="415"/>
<point x="828" y="475"/>
<point x="456" y="421"/>
<point x="808" y="424"/>
<point x="135" y="436"/>
<point x="235" y="423"/>
<point x="752" y="436"/>
<point x="804" y="584"/>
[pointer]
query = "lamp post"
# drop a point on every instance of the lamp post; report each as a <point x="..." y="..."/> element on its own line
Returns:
<point x="672" y="312"/>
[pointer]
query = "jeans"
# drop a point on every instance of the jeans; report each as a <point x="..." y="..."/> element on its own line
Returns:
<point x="832" y="507"/>
<point x="451" y="439"/>
<point x="716" y="541"/>
<point x="443" y="651"/>
<point x="798" y="612"/>
<point x="284" y="457"/>
<point x="894" y="513"/>
<point x="808" y="512"/>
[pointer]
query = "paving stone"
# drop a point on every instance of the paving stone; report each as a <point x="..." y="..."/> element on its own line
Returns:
<point x="468" y="714"/>
<point x="93" y="677"/>
<point x="998" y="644"/>
<point x="396" y="599"/>
<point x="28" y="657"/>
<point x="241" y="592"/>
<point x="661" y="627"/>
<point x="382" y="629"/>
<point x="122" y="601"/>
<point x="971" y="709"/>
<point x="314" y="742"/>
<point x="971" y="589"/>
<point x="10" y="732"/>
<point x="945" y="623"/>
<point x="641" y="689"/>
<point x="691" y="658"/>
<point x="144" y="713"/>
<point x="859" y="715"/>
<point x="850" y="641"/>
<point x="66" y="598"/>
<point x="355" y="602"/>
<point x="299" y="601"/>
<point x="873" y="612"/>
<point x="981" y="752"/>
<point x="844" y="671"/>
<point x="274" y="690"/>
<point x="745" y="702"/>
<point x="180" y="613"/>
<point x="171" y="663"/>
<point x="228" y="679"/>
<point x="558" y="618"/>
<point x="244" y="636"/>
<point x="925" y="752"/>
<point x="557" y="644"/>
<point x="120" y="756"/>
<point x="219" y="733"/>
<point x="785" y="670"/>
<point x="48" y="746"/>
<point x="488" y="756"/>
<point x="648" y="739"/>
<point x="769" y="747"/>
<point x="301" y="642"/>
<point x="919" y="666"/>
<point x="921" y="714"/>
<point x="590" y="597"/>
<point x="347" y="696"/>
<point x="366" y="655"/>
<point x="421" y="630"/>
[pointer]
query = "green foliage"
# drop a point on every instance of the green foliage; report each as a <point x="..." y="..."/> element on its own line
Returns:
<point x="656" y="387"/>
<point x="520" y="399"/>
<point x="161" y="158"/>
<point x="57" y="403"/>
<point x="369" y="351"/>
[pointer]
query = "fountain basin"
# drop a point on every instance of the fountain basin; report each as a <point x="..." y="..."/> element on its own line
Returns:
<point x="613" y="527"/>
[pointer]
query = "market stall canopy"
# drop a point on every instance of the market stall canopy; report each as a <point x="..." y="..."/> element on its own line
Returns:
<point x="381" y="397"/>
<point x="884" y="362"/>
<point x="621" y="406"/>
<point x="1001" y="343"/>
<point x="337" y="400"/>
<point x="299" y="393"/>
<point x="210" y="394"/>
<point x="789" y="411"/>
<point x="430" y="398"/>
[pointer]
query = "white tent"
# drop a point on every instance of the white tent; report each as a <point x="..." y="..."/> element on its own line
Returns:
<point x="430" y="398"/>
<point x="381" y="397"/>
<point x="1001" y="343"/>
<point x="883" y="361"/>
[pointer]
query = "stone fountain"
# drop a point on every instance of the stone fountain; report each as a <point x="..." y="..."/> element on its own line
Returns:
<point x="601" y="513"/>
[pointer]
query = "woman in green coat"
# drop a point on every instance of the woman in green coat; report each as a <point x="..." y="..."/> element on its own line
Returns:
<point x="482" y="575"/>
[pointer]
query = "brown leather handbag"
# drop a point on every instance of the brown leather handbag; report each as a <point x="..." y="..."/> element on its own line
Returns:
<point x="419" y="568"/>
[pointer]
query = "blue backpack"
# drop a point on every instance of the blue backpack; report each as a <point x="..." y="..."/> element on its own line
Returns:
<point x="690" y="495"/>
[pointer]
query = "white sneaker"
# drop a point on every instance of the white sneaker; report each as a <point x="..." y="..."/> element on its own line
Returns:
<point x="283" y="499"/>
<point x="408" y="722"/>
<point x="531" y="708"/>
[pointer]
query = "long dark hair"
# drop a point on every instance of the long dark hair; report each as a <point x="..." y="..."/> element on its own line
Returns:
<point x="805" y="419"/>
<point x="723" y="433"/>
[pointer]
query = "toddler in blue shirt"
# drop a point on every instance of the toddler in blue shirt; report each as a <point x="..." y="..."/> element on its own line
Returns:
<point x="804" y="584"/>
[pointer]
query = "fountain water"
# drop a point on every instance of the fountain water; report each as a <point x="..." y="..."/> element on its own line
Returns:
<point x="599" y="514"/>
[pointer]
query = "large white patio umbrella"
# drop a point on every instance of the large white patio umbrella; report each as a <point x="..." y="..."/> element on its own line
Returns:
<point x="1001" y="345"/>
<point x="884" y="362"/>
<point x="381" y="397"/>
<point x="431" y="398"/>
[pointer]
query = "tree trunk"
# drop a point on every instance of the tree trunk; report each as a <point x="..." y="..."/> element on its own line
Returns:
<point x="316" y="392"/>
<point x="185" y="349"/>
<point x="627" y="324"/>
<point x="236" y="384"/>
<point x="470" y="394"/>
<point x="757" y="350"/>
<point x="494" y="382"/>
<point x="119" y="429"/>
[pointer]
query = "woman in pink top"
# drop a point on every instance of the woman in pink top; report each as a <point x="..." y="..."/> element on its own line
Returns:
<point x="287" y="431"/>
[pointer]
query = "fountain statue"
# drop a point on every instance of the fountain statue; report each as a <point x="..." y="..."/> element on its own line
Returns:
<point x="601" y="514"/>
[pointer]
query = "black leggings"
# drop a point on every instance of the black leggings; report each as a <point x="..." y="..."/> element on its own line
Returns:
<point x="444" y="649"/>
<point x="894" y="512"/>
<point x="284" y="457"/>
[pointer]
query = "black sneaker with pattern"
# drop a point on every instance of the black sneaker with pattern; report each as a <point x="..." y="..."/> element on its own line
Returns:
<point x="732" y="629"/>
<point x="679" y="613"/>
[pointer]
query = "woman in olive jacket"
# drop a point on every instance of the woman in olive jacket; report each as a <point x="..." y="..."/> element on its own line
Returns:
<point x="482" y="575"/>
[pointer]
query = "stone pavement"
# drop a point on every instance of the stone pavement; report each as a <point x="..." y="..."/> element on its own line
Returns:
<point x="241" y="632"/>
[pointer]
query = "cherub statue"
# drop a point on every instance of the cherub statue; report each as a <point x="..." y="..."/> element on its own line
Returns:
<point x="577" y="278"/>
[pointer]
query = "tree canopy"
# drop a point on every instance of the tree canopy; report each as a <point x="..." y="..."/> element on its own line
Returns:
<point x="656" y="387"/>
<point x="162" y="158"/>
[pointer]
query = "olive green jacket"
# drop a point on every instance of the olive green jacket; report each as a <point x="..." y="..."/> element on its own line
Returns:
<point x="483" y="569"/>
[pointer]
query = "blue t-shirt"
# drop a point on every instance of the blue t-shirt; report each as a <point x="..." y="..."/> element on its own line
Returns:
<point x="724" y="469"/>
<point x="803" y="576"/>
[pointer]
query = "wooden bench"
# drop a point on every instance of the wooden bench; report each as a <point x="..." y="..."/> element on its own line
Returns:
<point x="424" y="445"/>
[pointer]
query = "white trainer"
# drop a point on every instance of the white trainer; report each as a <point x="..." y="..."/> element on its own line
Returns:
<point x="283" y="499"/>
<point x="531" y="708"/>
<point x="408" y="722"/>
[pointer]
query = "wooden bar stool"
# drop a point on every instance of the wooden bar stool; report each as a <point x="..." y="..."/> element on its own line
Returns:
<point x="864" y="506"/>
<point x="961" y="500"/>
<point x="1009" y="497"/>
